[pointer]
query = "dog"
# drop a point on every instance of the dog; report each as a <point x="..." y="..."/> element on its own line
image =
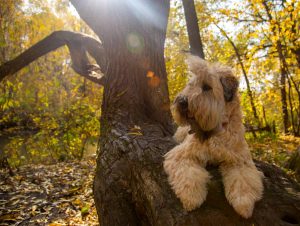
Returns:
<point x="210" y="131"/>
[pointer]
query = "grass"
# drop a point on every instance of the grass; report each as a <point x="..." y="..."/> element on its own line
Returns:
<point x="273" y="148"/>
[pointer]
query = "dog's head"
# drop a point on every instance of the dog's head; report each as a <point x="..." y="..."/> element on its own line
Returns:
<point x="201" y="103"/>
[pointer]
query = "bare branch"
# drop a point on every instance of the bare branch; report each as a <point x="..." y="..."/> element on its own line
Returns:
<point x="78" y="44"/>
<point x="259" y="48"/>
<point x="240" y="20"/>
<point x="238" y="55"/>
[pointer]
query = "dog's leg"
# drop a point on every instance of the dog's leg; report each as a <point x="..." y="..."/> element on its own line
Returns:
<point x="243" y="187"/>
<point x="186" y="176"/>
<point x="181" y="133"/>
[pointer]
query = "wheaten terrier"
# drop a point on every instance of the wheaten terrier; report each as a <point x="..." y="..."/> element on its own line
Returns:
<point x="211" y="131"/>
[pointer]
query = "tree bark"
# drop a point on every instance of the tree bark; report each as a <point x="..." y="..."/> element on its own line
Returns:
<point x="133" y="39"/>
<point x="134" y="189"/>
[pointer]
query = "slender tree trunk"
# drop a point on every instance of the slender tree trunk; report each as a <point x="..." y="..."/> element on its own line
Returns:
<point x="196" y="45"/>
<point x="291" y="108"/>
<point x="283" y="77"/>
<point x="283" y="71"/>
<point x="285" y="115"/>
<point x="297" y="54"/>
<point x="264" y="116"/>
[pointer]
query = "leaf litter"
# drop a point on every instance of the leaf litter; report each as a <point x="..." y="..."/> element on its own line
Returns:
<point x="54" y="195"/>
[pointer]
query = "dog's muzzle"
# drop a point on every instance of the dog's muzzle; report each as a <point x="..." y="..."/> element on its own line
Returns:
<point x="183" y="109"/>
<point x="182" y="104"/>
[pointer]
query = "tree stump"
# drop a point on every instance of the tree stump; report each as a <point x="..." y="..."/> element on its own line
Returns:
<point x="131" y="188"/>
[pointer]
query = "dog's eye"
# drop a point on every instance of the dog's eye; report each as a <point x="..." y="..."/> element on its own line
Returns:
<point x="206" y="87"/>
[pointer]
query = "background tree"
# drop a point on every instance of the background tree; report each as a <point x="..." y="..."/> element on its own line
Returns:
<point x="196" y="45"/>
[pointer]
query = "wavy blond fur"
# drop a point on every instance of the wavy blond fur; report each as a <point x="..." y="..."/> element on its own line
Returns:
<point x="185" y="163"/>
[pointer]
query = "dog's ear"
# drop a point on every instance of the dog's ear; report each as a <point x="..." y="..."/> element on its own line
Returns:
<point x="196" y="65"/>
<point x="230" y="85"/>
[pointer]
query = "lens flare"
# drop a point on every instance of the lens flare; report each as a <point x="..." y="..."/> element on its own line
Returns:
<point x="135" y="42"/>
<point x="153" y="80"/>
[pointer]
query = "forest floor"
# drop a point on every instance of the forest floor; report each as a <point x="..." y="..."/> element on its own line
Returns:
<point x="61" y="194"/>
<point x="275" y="150"/>
<point x="54" y="195"/>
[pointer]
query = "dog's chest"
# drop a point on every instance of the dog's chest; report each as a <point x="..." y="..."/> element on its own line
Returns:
<point x="218" y="149"/>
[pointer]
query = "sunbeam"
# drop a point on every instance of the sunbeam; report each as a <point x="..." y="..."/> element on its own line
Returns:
<point x="144" y="11"/>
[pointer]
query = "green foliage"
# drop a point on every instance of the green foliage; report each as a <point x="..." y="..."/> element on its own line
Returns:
<point x="265" y="34"/>
<point x="56" y="109"/>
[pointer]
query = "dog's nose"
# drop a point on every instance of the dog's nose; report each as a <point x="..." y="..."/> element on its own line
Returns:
<point x="182" y="102"/>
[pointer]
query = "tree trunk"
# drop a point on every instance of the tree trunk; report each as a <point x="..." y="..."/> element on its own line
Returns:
<point x="135" y="123"/>
<point x="284" y="107"/>
<point x="283" y="71"/>
<point x="130" y="186"/>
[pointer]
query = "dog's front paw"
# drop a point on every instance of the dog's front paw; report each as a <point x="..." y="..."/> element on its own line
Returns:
<point x="189" y="183"/>
<point x="243" y="187"/>
<point x="186" y="176"/>
<point x="243" y="206"/>
<point x="193" y="200"/>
